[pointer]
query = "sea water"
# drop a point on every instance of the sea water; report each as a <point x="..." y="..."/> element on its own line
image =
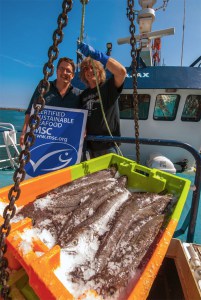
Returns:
<point x="15" y="117"/>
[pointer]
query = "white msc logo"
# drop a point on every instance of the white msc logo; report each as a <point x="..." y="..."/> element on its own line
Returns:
<point x="50" y="157"/>
<point x="141" y="75"/>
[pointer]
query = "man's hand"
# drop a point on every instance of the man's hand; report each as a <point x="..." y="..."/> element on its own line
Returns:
<point x="95" y="54"/>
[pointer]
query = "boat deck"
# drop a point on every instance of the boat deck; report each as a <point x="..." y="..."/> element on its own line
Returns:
<point x="176" y="279"/>
<point x="167" y="284"/>
<point x="182" y="228"/>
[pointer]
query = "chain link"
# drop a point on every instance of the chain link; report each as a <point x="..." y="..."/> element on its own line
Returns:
<point x="131" y="17"/>
<point x="29" y="140"/>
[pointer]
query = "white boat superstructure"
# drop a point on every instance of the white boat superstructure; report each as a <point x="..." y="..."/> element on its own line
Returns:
<point x="169" y="120"/>
<point x="169" y="99"/>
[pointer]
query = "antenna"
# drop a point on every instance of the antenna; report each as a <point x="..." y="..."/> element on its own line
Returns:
<point x="182" y="47"/>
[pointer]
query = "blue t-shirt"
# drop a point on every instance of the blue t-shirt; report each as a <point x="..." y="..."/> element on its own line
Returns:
<point x="53" y="98"/>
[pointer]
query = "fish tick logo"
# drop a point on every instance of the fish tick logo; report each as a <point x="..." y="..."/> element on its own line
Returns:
<point x="50" y="157"/>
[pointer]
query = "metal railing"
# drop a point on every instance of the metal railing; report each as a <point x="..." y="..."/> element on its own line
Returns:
<point x="197" y="182"/>
<point x="9" y="141"/>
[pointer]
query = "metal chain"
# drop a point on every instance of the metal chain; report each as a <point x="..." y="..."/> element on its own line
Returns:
<point x="29" y="140"/>
<point x="131" y="17"/>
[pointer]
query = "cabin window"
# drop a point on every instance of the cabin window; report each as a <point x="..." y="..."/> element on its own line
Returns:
<point x="166" y="107"/>
<point x="192" y="109"/>
<point x="126" y="106"/>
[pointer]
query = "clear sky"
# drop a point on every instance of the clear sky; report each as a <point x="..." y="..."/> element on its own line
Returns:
<point x="26" y="28"/>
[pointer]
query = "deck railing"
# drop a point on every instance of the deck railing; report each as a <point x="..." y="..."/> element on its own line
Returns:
<point x="8" y="145"/>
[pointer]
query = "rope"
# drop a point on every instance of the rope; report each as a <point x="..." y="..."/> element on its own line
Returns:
<point x="94" y="70"/>
<point x="82" y="21"/>
<point x="102" y="108"/>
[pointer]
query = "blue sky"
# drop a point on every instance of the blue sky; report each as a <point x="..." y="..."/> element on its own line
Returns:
<point x="26" y="28"/>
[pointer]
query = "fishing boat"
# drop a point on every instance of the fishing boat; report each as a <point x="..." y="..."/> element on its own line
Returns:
<point x="169" y="102"/>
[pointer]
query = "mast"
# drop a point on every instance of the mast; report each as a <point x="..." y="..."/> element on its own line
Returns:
<point x="145" y="19"/>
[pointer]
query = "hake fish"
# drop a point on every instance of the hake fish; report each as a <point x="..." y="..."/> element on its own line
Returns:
<point x="77" y="185"/>
<point x="129" y="215"/>
<point x="144" y="199"/>
<point x="120" y="274"/>
<point x="76" y="197"/>
<point x="86" y="209"/>
<point x="105" y="210"/>
<point x="107" y="230"/>
<point x="56" y="208"/>
<point x="121" y="224"/>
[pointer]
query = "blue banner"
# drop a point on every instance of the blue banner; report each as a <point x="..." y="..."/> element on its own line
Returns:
<point x="59" y="140"/>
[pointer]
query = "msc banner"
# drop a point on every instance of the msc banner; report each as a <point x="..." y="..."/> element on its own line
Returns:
<point x="59" y="140"/>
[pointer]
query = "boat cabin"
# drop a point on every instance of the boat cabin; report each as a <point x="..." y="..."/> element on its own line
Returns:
<point x="169" y="109"/>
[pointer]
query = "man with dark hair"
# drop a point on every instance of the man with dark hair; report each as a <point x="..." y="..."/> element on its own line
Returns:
<point x="60" y="94"/>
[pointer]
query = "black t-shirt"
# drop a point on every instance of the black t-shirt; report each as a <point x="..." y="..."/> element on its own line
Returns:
<point x="95" y="121"/>
<point x="53" y="98"/>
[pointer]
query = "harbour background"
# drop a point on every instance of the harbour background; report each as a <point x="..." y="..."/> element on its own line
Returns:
<point x="16" y="117"/>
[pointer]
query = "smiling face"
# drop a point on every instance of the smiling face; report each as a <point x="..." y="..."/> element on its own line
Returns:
<point x="87" y="74"/>
<point x="90" y="75"/>
<point x="65" y="72"/>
